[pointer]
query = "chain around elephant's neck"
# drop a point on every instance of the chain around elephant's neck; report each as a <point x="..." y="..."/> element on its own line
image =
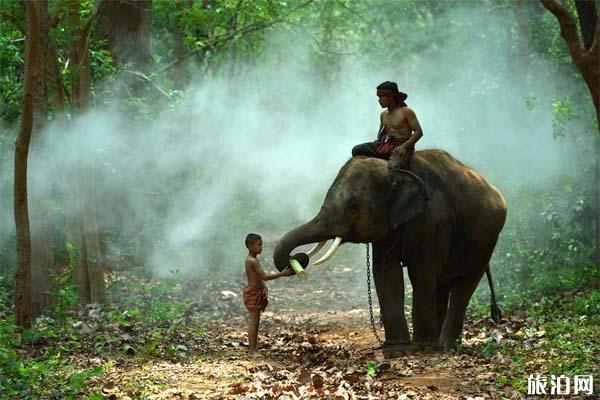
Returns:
<point x="371" y="299"/>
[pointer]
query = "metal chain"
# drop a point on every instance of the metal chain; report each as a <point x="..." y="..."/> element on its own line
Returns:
<point x="370" y="298"/>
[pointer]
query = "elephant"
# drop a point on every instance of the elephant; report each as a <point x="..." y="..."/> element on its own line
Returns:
<point x="441" y="220"/>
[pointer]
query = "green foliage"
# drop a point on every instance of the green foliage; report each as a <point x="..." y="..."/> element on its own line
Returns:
<point x="372" y="369"/>
<point x="11" y="64"/>
<point x="153" y="302"/>
<point x="567" y="328"/>
<point x="65" y="290"/>
<point x="31" y="376"/>
<point x="554" y="334"/>
<point x="40" y="361"/>
<point x="546" y="247"/>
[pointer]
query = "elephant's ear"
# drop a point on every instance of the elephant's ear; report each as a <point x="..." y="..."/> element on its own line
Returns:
<point x="408" y="200"/>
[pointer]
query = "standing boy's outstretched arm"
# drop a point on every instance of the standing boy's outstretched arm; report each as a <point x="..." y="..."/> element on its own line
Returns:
<point x="257" y="269"/>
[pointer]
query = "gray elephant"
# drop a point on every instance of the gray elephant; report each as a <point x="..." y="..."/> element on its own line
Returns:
<point x="441" y="220"/>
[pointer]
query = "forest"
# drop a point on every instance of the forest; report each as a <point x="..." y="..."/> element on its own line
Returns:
<point x="141" y="141"/>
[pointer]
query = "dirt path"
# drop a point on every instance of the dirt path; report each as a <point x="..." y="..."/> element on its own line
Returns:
<point x="307" y="355"/>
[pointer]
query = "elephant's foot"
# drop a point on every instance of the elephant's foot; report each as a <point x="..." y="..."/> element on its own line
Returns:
<point x="396" y="342"/>
<point x="426" y="346"/>
<point x="395" y="349"/>
<point x="429" y="347"/>
<point x="449" y="344"/>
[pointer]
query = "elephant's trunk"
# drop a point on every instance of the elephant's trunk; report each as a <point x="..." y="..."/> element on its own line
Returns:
<point x="311" y="232"/>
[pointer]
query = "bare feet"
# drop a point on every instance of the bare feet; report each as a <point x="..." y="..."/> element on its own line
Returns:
<point x="255" y="354"/>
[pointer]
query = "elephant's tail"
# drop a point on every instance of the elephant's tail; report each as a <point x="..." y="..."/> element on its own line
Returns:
<point x="495" y="311"/>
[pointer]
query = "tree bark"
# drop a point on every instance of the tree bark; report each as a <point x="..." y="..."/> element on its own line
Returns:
<point x="126" y="26"/>
<point x="82" y="227"/>
<point x="23" y="295"/>
<point x="42" y="255"/>
<point x="587" y="62"/>
<point x="586" y="11"/>
<point x="178" y="50"/>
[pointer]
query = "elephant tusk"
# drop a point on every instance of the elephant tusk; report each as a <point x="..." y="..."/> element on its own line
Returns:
<point x="332" y="249"/>
<point x="316" y="248"/>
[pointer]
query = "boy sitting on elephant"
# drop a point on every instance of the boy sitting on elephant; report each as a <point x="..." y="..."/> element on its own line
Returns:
<point x="399" y="130"/>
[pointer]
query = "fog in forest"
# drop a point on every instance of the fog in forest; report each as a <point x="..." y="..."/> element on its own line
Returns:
<point x="258" y="152"/>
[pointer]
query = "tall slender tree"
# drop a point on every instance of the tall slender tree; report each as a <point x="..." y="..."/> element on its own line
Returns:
<point x="42" y="255"/>
<point x="23" y="296"/>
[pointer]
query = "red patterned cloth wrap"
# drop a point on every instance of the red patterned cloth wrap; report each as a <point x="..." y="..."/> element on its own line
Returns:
<point x="388" y="147"/>
<point x="255" y="298"/>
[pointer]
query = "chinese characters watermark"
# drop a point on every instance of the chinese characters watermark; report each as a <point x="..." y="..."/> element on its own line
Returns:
<point x="579" y="384"/>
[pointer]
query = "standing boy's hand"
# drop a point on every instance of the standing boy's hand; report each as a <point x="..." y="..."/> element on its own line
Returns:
<point x="287" y="271"/>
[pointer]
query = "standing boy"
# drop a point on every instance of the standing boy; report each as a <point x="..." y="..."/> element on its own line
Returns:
<point x="255" y="292"/>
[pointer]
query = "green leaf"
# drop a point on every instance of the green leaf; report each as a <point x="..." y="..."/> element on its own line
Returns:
<point x="372" y="369"/>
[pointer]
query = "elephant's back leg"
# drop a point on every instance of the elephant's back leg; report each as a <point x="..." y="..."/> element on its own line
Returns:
<point x="461" y="291"/>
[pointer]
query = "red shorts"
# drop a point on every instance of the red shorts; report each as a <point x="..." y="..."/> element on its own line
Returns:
<point x="387" y="147"/>
<point x="255" y="298"/>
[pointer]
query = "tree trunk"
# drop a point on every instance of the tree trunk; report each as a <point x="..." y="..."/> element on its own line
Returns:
<point x="42" y="256"/>
<point x="178" y="51"/>
<point x="126" y="26"/>
<point x="586" y="11"/>
<point x="82" y="228"/>
<point x="23" y="296"/>
<point x="586" y="61"/>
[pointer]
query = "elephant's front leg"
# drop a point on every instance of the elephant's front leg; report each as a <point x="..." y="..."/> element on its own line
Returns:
<point x="389" y="283"/>
<point x="425" y="305"/>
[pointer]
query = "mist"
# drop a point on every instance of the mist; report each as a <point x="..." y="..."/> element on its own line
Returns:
<point x="257" y="153"/>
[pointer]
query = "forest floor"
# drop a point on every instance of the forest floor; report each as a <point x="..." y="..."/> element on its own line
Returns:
<point x="316" y="342"/>
<point x="186" y="338"/>
<point x="303" y="355"/>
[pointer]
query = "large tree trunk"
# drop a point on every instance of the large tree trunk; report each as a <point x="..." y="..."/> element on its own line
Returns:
<point x="126" y="26"/>
<point x="82" y="228"/>
<point x="42" y="256"/>
<point x="23" y="297"/>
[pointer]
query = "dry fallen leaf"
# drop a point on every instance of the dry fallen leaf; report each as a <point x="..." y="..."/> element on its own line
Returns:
<point x="304" y="376"/>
